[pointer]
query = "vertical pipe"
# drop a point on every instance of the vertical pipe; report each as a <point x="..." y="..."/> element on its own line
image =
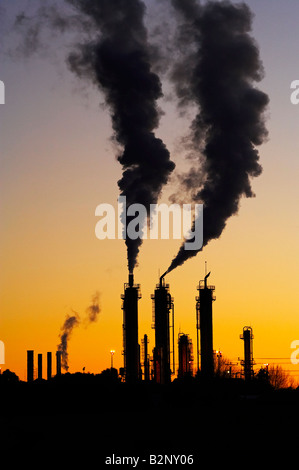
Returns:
<point x="173" y="353"/>
<point x="197" y="331"/>
<point x="145" y="359"/>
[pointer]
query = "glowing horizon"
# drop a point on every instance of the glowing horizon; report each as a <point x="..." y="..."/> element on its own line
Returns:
<point x="58" y="164"/>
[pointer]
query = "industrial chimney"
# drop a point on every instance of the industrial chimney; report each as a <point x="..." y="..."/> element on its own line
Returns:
<point x="49" y="365"/>
<point x="39" y="366"/>
<point x="30" y="365"/>
<point x="247" y="363"/>
<point x="58" y="362"/>
<point x="130" y="330"/>
<point x="162" y="305"/>
<point x="204" y="323"/>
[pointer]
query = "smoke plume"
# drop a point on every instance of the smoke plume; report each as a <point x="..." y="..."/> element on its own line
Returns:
<point x="117" y="57"/>
<point x="66" y="331"/>
<point x="219" y="76"/>
<point x="217" y="66"/>
<point x="118" y="61"/>
<point x="71" y="321"/>
<point x="94" y="309"/>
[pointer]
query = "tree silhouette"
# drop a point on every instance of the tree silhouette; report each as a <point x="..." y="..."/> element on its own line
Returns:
<point x="278" y="377"/>
<point x="9" y="377"/>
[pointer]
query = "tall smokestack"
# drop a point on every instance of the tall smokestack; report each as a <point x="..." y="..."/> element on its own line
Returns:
<point x="39" y="366"/>
<point x="130" y="330"/>
<point x="205" y="324"/>
<point x="163" y="305"/>
<point x="49" y="365"/>
<point x="58" y="363"/>
<point x="30" y="365"/>
<point x="218" y="76"/>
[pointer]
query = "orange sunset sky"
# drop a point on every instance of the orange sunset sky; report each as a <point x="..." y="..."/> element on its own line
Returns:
<point x="58" y="163"/>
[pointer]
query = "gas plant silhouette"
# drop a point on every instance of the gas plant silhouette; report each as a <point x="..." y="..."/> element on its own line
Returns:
<point x="164" y="395"/>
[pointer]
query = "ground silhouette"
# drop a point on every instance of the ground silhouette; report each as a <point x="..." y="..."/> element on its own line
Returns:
<point x="98" y="411"/>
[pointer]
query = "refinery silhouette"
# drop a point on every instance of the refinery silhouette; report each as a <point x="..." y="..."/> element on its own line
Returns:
<point x="165" y="410"/>
<point x="160" y="401"/>
<point x="160" y="367"/>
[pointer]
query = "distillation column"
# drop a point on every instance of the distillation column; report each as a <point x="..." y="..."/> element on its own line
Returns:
<point x="247" y="364"/>
<point x="204" y="323"/>
<point x="130" y="330"/>
<point x="162" y="305"/>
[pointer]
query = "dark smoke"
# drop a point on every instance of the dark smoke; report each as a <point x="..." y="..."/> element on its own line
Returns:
<point x="118" y="58"/>
<point x="66" y="331"/>
<point x="41" y="24"/>
<point x="71" y="321"/>
<point x="218" y="76"/>
<point x="218" y="67"/>
<point x="118" y="61"/>
<point x="94" y="309"/>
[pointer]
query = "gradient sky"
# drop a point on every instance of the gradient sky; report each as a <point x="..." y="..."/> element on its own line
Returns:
<point x="58" y="164"/>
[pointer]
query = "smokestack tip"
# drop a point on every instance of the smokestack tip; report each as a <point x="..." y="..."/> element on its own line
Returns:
<point x="206" y="277"/>
<point x="162" y="277"/>
<point x="131" y="279"/>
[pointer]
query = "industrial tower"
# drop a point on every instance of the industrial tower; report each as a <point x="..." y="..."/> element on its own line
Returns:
<point x="162" y="306"/>
<point x="130" y="330"/>
<point x="247" y="363"/>
<point x="204" y="323"/>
